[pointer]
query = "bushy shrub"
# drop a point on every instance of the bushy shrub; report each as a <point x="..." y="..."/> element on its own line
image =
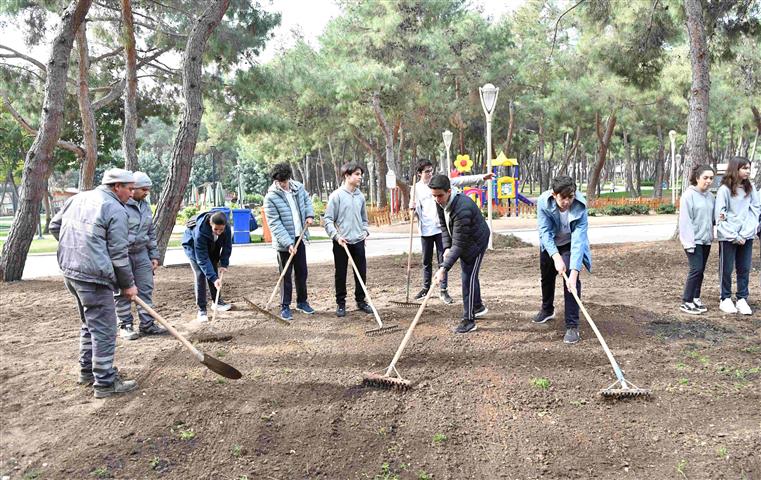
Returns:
<point x="641" y="209"/>
<point x="595" y="212"/>
<point x="665" y="208"/>
<point x="254" y="198"/>
<point x="186" y="213"/>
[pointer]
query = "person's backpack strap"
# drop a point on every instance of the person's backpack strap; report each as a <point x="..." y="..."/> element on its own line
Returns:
<point x="193" y="221"/>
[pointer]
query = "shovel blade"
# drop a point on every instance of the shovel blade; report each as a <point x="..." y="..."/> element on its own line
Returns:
<point x="266" y="312"/>
<point x="220" y="367"/>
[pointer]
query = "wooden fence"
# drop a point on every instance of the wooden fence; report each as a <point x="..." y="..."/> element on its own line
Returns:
<point x="652" y="203"/>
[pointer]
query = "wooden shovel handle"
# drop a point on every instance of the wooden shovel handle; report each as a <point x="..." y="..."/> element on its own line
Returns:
<point x="169" y="328"/>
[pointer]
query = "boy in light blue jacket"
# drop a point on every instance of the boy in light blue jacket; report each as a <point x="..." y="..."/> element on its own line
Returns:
<point x="564" y="247"/>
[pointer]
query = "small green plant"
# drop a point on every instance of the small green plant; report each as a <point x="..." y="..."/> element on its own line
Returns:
<point x="221" y="381"/>
<point x="683" y="381"/>
<point x="722" y="452"/>
<point x="422" y="475"/>
<point x="187" y="434"/>
<point x="752" y="349"/>
<point x="243" y="477"/>
<point x="386" y="473"/>
<point x="578" y="403"/>
<point x="31" y="475"/>
<point x="439" y="438"/>
<point x="101" y="472"/>
<point x="681" y="466"/>
<point x="541" y="383"/>
<point x="221" y="353"/>
<point x="382" y="431"/>
<point x="237" y="450"/>
<point x="681" y="366"/>
<point x="154" y="463"/>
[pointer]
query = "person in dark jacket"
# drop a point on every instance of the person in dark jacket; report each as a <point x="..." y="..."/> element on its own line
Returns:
<point x="288" y="210"/>
<point x="208" y="243"/>
<point x="91" y="230"/>
<point x="465" y="236"/>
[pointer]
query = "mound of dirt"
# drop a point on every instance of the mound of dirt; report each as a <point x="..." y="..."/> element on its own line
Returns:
<point x="509" y="240"/>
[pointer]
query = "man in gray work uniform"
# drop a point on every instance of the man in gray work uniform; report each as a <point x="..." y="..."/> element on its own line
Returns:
<point x="92" y="231"/>
<point x="143" y="259"/>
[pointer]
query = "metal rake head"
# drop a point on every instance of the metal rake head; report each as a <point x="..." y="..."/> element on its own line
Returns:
<point x="384" y="330"/>
<point x="404" y="304"/>
<point x="631" y="391"/>
<point x="267" y="313"/>
<point x="383" y="381"/>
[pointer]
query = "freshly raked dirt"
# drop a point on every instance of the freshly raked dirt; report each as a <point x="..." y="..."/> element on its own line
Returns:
<point x="507" y="401"/>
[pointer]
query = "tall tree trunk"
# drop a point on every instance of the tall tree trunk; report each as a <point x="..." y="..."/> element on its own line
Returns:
<point x="603" y="143"/>
<point x="628" y="174"/>
<point x="89" y="131"/>
<point x="638" y="170"/>
<point x="39" y="159"/>
<point x="696" y="148"/>
<point x="660" y="159"/>
<point x="757" y="119"/>
<point x="336" y="166"/>
<point x="540" y="153"/>
<point x="571" y="153"/>
<point x="390" y="160"/>
<point x="381" y="170"/>
<point x="46" y="203"/>
<point x="129" y="141"/>
<point x="187" y="135"/>
<point x="510" y="128"/>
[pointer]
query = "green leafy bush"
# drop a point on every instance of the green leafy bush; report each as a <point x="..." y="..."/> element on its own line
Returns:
<point x="666" y="208"/>
<point x="186" y="213"/>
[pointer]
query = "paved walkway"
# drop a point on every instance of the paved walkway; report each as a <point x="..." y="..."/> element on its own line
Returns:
<point x="395" y="241"/>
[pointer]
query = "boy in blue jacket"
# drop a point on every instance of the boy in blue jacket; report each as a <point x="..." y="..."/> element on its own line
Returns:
<point x="289" y="210"/>
<point x="564" y="247"/>
<point x="208" y="243"/>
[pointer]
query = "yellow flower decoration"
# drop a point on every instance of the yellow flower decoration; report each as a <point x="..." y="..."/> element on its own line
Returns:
<point x="463" y="163"/>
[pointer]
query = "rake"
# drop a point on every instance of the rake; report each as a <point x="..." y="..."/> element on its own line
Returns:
<point x="265" y="311"/>
<point x="382" y="329"/>
<point x="621" y="388"/>
<point x="407" y="302"/>
<point x="386" y="380"/>
<point x="213" y="364"/>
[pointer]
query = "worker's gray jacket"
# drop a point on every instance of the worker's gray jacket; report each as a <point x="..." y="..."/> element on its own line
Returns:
<point x="141" y="234"/>
<point x="92" y="231"/>
<point x="279" y="215"/>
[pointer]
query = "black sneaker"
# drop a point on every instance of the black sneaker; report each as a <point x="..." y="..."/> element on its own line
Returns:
<point x="86" y="378"/>
<point x="690" y="308"/>
<point x="341" y="311"/>
<point x="699" y="305"/>
<point x="571" y="336"/>
<point x="543" y="317"/>
<point x="118" y="387"/>
<point x="421" y="294"/>
<point x="365" y="307"/>
<point x="465" y="326"/>
<point x="153" y="329"/>
<point x="444" y="296"/>
<point x="480" y="312"/>
<point x="128" y="333"/>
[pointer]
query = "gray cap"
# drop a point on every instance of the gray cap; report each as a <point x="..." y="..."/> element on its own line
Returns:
<point x="117" y="175"/>
<point x="142" y="180"/>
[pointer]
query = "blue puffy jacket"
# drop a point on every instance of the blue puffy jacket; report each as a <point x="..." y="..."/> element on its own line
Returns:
<point x="548" y="219"/>
<point x="200" y="246"/>
<point x="279" y="215"/>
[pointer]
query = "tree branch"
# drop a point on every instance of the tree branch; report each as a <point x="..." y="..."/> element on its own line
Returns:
<point x="555" y="35"/>
<point x="75" y="149"/>
<point x="112" y="53"/>
<point x="17" y="54"/>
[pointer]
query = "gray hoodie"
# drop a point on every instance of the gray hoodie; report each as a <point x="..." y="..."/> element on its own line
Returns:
<point x="741" y="213"/>
<point x="695" y="218"/>
<point x="346" y="215"/>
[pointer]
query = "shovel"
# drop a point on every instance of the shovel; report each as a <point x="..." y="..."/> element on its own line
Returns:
<point x="386" y="380"/>
<point x="407" y="302"/>
<point x="216" y="366"/>
<point x="626" y="389"/>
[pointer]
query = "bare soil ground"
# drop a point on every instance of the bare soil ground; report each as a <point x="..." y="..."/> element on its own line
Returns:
<point x="507" y="401"/>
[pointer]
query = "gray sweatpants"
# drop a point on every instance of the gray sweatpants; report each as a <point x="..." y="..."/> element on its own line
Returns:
<point x="143" y="273"/>
<point x="97" y="336"/>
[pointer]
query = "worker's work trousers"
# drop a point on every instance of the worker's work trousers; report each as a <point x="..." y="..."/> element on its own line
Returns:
<point x="142" y="270"/>
<point x="97" y="335"/>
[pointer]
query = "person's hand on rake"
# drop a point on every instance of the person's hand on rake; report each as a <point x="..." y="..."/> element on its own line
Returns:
<point x="310" y="221"/>
<point x="154" y="265"/>
<point x="292" y="250"/>
<point x="439" y="276"/>
<point x="130" y="292"/>
<point x="573" y="278"/>
<point x="559" y="263"/>
<point x="341" y="241"/>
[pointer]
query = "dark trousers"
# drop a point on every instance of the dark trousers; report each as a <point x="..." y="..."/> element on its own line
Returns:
<point x="201" y="282"/>
<point x="428" y="243"/>
<point x="341" y="261"/>
<point x="97" y="332"/>
<point x="694" y="282"/>
<point x="471" y="286"/>
<point x="299" y="267"/>
<point x="548" y="273"/>
<point x="735" y="257"/>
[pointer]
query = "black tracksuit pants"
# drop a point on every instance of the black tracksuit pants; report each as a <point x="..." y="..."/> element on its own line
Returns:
<point x="357" y="251"/>
<point x="428" y="243"/>
<point x="694" y="283"/>
<point x="548" y="273"/>
<point x="299" y="267"/>
<point x="471" y="286"/>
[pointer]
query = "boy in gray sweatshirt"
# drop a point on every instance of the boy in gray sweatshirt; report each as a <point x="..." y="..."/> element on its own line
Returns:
<point x="696" y="234"/>
<point x="346" y="224"/>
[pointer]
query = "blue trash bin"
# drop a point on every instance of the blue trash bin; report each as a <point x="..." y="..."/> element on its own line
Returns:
<point x="241" y="225"/>
<point x="224" y="210"/>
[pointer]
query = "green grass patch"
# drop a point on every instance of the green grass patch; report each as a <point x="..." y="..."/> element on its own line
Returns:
<point x="541" y="383"/>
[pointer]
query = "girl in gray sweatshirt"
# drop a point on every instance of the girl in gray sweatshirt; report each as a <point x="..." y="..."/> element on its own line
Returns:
<point x="696" y="233"/>
<point x="736" y="216"/>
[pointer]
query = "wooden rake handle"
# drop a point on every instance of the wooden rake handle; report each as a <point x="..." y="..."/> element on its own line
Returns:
<point x="410" y="329"/>
<point x="169" y="328"/>
<point x="285" y="268"/>
<point x="364" y="288"/>
<point x="613" y="362"/>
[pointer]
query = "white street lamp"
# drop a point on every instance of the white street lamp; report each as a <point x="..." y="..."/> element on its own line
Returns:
<point x="447" y="135"/>
<point x="672" y="137"/>
<point x="489" y="94"/>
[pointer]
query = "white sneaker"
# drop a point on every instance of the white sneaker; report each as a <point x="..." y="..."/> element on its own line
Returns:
<point x="202" y="317"/>
<point x="727" y="306"/>
<point x="743" y="307"/>
<point x="222" y="307"/>
<point x="127" y="333"/>
<point x="699" y="305"/>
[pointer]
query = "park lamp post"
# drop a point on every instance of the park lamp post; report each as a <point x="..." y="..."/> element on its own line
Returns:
<point x="447" y="136"/>
<point x="489" y="94"/>
<point x="672" y="137"/>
